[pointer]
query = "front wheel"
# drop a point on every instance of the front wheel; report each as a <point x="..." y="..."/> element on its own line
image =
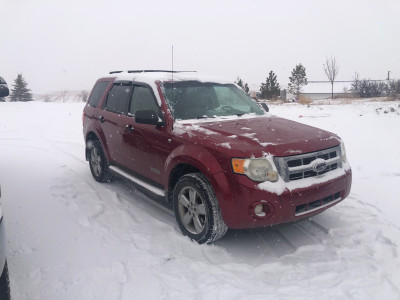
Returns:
<point x="98" y="163"/>
<point x="196" y="209"/>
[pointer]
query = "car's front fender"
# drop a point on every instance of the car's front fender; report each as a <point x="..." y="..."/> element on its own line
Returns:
<point x="201" y="159"/>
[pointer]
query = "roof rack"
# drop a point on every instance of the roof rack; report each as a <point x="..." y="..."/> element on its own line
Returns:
<point x="149" y="71"/>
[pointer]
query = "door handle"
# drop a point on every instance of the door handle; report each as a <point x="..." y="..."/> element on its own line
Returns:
<point x="101" y="119"/>
<point x="129" y="128"/>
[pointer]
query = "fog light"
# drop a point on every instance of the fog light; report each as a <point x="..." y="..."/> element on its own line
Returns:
<point x="261" y="209"/>
<point x="258" y="210"/>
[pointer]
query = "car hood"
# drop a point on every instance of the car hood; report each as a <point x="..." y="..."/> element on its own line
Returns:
<point x="258" y="136"/>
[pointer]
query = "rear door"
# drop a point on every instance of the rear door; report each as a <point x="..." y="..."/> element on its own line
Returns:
<point x="112" y="120"/>
<point x="90" y="112"/>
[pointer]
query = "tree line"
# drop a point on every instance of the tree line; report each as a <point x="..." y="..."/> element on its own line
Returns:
<point x="270" y="89"/>
<point x="21" y="92"/>
<point x="363" y="88"/>
<point x="366" y="88"/>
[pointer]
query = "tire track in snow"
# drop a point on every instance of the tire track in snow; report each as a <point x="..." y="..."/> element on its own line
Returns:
<point x="327" y="236"/>
<point x="128" y="192"/>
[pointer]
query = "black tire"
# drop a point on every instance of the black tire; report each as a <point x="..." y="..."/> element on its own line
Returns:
<point x="5" y="284"/>
<point x="197" y="210"/>
<point x="98" y="163"/>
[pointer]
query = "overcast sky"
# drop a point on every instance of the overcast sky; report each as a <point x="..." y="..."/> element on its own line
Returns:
<point x="68" y="44"/>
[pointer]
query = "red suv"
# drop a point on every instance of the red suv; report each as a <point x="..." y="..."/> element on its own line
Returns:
<point x="210" y="150"/>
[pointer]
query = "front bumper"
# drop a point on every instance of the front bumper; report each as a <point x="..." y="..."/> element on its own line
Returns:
<point x="238" y="207"/>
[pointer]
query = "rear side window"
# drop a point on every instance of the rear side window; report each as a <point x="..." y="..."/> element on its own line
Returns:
<point x="97" y="92"/>
<point x="118" y="98"/>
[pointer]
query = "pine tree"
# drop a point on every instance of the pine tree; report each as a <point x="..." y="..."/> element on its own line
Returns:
<point x="244" y="86"/>
<point x="270" y="89"/>
<point x="20" y="91"/>
<point x="297" y="80"/>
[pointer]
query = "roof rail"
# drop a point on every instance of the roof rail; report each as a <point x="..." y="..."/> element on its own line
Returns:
<point x="149" y="71"/>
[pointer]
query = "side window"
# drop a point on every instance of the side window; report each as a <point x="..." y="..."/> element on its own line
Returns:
<point x="118" y="98"/>
<point x="143" y="99"/>
<point x="97" y="92"/>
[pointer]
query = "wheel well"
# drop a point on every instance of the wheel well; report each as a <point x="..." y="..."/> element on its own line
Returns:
<point x="177" y="173"/>
<point x="91" y="136"/>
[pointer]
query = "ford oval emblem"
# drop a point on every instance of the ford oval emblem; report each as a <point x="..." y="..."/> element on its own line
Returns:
<point x="319" y="165"/>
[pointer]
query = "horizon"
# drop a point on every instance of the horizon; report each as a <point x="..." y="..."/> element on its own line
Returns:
<point x="69" y="45"/>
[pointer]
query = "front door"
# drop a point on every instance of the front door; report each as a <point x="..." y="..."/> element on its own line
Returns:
<point x="146" y="147"/>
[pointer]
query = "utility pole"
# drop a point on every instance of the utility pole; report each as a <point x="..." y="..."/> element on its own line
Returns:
<point x="388" y="75"/>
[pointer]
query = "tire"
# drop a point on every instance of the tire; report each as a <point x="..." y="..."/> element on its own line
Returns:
<point x="5" y="284"/>
<point x="98" y="163"/>
<point x="197" y="210"/>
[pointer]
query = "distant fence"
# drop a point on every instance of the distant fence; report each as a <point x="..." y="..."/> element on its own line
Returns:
<point x="319" y="96"/>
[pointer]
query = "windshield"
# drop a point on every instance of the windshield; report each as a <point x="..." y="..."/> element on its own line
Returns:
<point x="195" y="100"/>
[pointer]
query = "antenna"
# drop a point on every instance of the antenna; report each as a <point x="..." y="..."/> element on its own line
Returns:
<point x="172" y="74"/>
<point x="172" y="63"/>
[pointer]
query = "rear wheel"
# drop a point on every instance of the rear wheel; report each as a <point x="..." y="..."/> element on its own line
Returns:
<point x="196" y="209"/>
<point x="98" y="163"/>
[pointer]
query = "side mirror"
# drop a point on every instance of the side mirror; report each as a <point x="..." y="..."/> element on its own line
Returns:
<point x="149" y="117"/>
<point x="265" y="106"/>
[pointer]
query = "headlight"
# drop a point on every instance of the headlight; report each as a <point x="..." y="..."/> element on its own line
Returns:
<point x="257" y="169"/>
<point x="343" y="149"/>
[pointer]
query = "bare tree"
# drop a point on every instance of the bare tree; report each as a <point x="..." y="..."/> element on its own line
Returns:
<point x="331" y="69"/>
<point x="83" y="95"/>
<point x="63" y="95"/>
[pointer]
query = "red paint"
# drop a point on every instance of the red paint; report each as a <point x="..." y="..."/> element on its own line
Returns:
<point x="153" y="152"/>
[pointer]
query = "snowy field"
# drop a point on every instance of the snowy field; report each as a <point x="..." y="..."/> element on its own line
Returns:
<point x="70" y="237"/>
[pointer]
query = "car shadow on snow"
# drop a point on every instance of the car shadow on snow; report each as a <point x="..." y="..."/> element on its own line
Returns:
<point x="258" y="245"/>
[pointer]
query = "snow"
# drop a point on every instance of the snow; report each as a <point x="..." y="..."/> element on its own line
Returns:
<point x="180" y="129"/>
<point x="69" y="237"/>
<point x="151" y="77"/>
<point x="220" y="118"/>
<point x="225" y="145"/>
<point x="280" y="186"/>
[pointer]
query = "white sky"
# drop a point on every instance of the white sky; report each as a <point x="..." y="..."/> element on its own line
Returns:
<point x="67" y="45"/>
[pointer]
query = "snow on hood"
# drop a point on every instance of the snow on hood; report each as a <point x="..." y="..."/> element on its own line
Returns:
<point x="256" y="136"/>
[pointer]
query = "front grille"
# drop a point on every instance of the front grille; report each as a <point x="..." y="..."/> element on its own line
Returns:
<point x="317" y="204"/>
<point x="303" y="166"/>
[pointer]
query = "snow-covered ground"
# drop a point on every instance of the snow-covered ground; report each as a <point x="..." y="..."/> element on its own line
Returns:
<point x="70" y="237"/>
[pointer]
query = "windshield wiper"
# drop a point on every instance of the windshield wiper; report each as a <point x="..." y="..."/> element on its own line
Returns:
<point x="204" y="117"/>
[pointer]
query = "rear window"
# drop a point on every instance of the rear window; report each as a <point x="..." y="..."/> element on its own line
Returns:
<point x="97" y="92"/>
